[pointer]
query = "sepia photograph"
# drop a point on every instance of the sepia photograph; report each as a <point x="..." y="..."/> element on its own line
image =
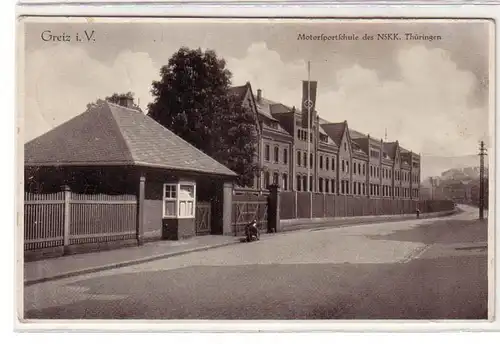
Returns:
<point x="255" y="169"/>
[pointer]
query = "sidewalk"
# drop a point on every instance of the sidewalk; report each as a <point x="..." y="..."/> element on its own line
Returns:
<point x="299" y="224"/>
<point x="78" y="264"/>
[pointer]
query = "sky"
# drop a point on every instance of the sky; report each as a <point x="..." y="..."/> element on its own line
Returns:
<point x="432" y="96"/>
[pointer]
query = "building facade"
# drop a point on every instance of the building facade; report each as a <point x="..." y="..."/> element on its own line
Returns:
<point x="327" y="157"/>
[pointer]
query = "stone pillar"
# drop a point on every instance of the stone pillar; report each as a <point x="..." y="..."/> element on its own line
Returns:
<point x="140" y="211"/>
<point x="227" y="208"/>
<point x="273" y="210"/>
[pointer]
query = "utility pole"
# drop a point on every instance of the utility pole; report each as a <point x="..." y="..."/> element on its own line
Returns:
<point x="482" y="153"/>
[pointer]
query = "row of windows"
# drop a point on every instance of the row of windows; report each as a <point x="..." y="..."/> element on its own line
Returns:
<point x="302" y="135"/>
<point x="302" y="159"/>
<point x="327" y="165"/>
<point x="374" y="154"/>
<point x="283" y="183"/>
<point x="357" y="168"/>
<point x="276" y="156"/>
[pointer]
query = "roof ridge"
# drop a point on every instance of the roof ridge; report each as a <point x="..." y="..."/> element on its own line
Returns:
<point x="188" y="143"/>
<point x="120" y="129"/>
<point x="121" y="106"/>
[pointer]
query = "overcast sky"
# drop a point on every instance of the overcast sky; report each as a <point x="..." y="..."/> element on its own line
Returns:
<point x="431" y="96"/>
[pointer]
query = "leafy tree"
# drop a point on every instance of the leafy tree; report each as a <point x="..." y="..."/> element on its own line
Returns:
<point x="192" y="99"/>
<point x="115" y="98"/>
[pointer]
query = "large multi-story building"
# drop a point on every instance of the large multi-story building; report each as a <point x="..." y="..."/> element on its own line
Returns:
<point x="337" y="160"/>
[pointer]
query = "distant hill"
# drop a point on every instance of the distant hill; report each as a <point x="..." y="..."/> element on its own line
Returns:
<point x="433" y="166"/>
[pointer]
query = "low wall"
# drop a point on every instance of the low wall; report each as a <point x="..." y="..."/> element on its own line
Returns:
<point x="306" y="205"/>
<point x="297" y="224"/>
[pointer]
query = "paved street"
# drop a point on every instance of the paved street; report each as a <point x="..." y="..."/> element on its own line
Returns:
<point x="416" y="269"/>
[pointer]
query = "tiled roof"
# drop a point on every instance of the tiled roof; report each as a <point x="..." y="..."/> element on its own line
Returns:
<point x="357" y="135"/>
<point x="238" y="92"/>
<point x="335" y="131"/>
<point x="390" y="149"/>
<point x="109" y="134"/>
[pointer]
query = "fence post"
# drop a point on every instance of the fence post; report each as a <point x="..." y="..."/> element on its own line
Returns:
<point x="67" y="214"/>
<point x="273" y="209"/>
<point x="227" y="208"/>
<point x="140" y="211"/>
<point x="296" y="212"/>
<point x="324" y="205"/>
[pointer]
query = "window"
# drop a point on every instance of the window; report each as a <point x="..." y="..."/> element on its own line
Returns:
<point x="276" y="178"/>
<point x="298" y="158"/>
<point x="354" y="169"/>
<point x="285" y="156"/>
<point x="378" y="172"/>
<point x="320" y="185"/>
<point x="311" y="161"/>
<point x="304" y="183"/>
<point x="364" y="169"/>
<point x="347" y="166"/>
<point x="343" y="186"/>
<point x="347" y="187"/>
<point x="327" y="163"/>
<point x="285" y="182"/>
<point x="304" y="159"/>
<point x="267" y="153"/>
<point x="364" y="189"/>
<point x="343" y="165"/>
<point x="266" y="180"/>
<point x="371" y="170"/>
<point x="310" y="183"/>
<point x="169" y="200"/>
<point x="334" y="186"/>
<point x="299" y="183"/>
<point x="186" y="200"/>
<point x="321" y="162"/>
<point x="333" y="164"/>
<point x="276" y="154"/>
<point x="327" y="185"/>
<point x="345" y="145"/>
<point x="179" y="200"/>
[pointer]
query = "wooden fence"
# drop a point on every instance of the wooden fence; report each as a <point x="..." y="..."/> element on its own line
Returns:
<point x="65" y="218"/>
<point x="249" y="205"/>
<point x="297" y="205"/>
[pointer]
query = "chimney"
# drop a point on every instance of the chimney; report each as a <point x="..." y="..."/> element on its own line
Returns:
<point x="259" y="95"/>
<point x="126" y="101"/>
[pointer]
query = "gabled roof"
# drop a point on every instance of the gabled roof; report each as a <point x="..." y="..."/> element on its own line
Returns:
<point x="335" y="131"/>
<point x="238" y="92"/>
<point x="109" y="134"/>
<point x="390" y="148"/>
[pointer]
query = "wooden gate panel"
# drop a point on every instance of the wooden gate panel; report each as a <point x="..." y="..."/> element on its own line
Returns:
<point x="203" y="218"/>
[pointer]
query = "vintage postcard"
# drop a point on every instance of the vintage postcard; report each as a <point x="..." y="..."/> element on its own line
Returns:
<point x="255" y="169"/>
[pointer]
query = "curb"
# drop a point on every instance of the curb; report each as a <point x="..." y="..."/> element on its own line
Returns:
<point x="372" y="220"/>
<point x="123" y="264"/>
<point x="180" y="253"/>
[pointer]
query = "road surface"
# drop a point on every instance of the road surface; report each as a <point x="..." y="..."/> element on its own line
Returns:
<point x="416" y="269"/>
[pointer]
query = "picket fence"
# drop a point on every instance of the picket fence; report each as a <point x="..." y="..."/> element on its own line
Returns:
<point x="65" y="218"/>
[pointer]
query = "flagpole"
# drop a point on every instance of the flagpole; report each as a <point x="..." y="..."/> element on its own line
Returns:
<point x="309" y="134"/>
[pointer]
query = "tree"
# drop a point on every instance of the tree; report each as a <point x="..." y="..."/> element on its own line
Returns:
<point x="115" y="98"/>
<point x="192" y="99"/>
